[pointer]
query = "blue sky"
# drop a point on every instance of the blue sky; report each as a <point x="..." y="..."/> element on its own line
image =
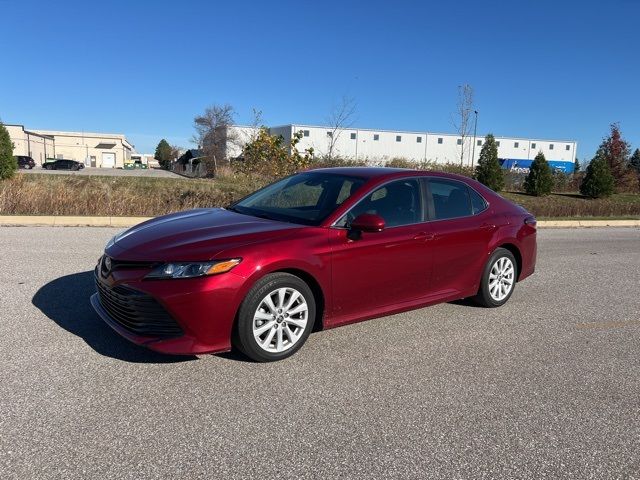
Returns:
<point x="560" y="70"/>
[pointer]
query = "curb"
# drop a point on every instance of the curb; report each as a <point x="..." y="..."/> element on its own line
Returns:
<point x="79" y="221"/>
<point x="69" y="221"/>
<point x="587" y="223"/>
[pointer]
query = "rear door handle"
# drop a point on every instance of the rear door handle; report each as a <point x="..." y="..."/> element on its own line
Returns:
<point x="424" y="236"/>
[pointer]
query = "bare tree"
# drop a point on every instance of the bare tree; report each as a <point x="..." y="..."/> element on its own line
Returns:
<point x="176" y="151"/>
<point x="213" y="133"/>
<point x="462" y="119"/>
<point x="340" y="118"/>
<point x="256" y="124"/>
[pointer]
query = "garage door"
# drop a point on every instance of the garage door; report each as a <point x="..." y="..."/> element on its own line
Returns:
<point x="108" y="160"/>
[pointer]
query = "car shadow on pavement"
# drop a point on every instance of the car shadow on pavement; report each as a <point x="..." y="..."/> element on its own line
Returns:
<point x="65" y="300"/>
<point x="466" y="302"/>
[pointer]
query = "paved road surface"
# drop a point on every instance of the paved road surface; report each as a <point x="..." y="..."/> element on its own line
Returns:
<point x="546" y="387"/>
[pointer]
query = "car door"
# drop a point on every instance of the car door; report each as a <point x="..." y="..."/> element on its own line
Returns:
<point x="375" y="270"/>
<point x="462" y="227"/>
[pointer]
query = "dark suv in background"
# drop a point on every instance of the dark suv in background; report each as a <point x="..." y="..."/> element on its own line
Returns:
<point x="63" y="165"/>
<point x="25" y="162"/>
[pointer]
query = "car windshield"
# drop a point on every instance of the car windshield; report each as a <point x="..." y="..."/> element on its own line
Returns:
<point x="306" y="198"/>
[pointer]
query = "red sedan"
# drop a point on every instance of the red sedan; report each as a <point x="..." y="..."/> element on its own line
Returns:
<point x="321" y="248"/>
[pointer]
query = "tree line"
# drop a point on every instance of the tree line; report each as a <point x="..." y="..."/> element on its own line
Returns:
<point x="613" y="169"/>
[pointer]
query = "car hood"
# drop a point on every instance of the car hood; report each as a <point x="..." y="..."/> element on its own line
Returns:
<point x="194" y="235"/>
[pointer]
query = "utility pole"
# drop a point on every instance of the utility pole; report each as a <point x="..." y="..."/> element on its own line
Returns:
<point x="473" y="148"/>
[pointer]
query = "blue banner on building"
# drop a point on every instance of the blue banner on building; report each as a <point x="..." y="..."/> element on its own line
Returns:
<point x="522" y="166"/>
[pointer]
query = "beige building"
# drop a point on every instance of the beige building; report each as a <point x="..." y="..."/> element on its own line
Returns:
<point x="31" y="144"/>
<point x="104" y="150"/>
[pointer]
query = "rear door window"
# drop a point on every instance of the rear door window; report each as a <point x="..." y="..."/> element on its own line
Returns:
<point x="451" y="199"/>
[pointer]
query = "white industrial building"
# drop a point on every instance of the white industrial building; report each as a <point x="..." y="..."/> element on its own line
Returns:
<point x="381" y="146"/>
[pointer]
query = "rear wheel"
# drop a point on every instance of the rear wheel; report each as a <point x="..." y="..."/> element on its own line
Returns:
<point x="275" y="318"/>
<point x="498" y="279"/>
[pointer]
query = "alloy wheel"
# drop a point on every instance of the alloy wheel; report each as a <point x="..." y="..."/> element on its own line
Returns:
<point x="280" y="320"/>
<point x="501" y="279"/>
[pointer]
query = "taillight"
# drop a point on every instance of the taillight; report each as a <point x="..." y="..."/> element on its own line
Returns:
<point x="530" y="220"/>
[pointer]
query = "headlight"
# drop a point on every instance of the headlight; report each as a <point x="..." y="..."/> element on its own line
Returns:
<point x="193" y="269"/>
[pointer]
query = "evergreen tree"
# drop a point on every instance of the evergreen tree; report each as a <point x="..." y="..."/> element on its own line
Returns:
<point x="576" y="166"/>
<point x="598" y="181"/>
<point x="634" y="162"/>
<point x="615" y="151"/>
<point x="489" y="172"/>
<point x="539" y="181"/>
<point x="8" y="163"/>
<point x="163" y="154"/>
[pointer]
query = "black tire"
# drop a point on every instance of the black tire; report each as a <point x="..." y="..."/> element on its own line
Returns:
<point x="243" y="338"/>
<point x="484" y="297"/>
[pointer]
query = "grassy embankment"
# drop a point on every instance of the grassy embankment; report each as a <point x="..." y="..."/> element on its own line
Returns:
<point x="41" y="194"/>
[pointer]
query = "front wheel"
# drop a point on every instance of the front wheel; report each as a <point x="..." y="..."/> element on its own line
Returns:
<point x="275" y="318"/>
<point x="498" y="279"/>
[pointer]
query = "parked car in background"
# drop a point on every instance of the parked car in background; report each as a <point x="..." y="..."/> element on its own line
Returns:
<point x="25" y="161"/>
<point x="322" y="248"/>
<point x="63" y="165"/>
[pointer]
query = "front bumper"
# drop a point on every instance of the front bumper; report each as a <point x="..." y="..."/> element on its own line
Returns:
<point x="204" y="309"/>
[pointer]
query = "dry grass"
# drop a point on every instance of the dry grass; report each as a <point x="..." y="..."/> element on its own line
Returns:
<point x="41" y="194"/>
<point x="562" y="205"/>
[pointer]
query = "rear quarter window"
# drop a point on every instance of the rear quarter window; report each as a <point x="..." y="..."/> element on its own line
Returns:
<point x="478" y="204"/>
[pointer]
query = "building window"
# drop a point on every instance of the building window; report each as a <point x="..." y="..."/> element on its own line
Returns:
<point x="459" y="142"/>
<point x="498" y="143"/>
<point x="551" y="146"/>
<point x="516" y="144"/>
<point x="376" y="137"/>
<point x="440" y="140"/>
<point x="479" y="143"/>
<point x="398" y="138"/>
<point x="533" y="145"/>
<point x="329" y="134"/>
<point x="353" y="136"/>
<point x="305" y="133"/>
<point x="568" y="147"/>
<point x="419" y="139"/>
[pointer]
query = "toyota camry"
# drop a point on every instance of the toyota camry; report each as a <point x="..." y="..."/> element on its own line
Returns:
<point x="315" y="250"/>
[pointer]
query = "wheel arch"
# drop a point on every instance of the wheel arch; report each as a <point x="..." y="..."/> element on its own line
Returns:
<point x="515" y="251"/>
<point x="316" y="289"/>
<point x="313" y="283"/>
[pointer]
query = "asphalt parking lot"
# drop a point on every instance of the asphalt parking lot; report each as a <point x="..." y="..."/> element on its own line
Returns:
<point x="547" y="386"/>
<point x="107" y="172"/>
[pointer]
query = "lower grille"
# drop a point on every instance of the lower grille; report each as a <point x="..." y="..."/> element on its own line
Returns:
<point x="137" y="312"/>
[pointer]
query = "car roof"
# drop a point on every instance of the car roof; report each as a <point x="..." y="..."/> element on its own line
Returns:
<point x="387" y="172"/>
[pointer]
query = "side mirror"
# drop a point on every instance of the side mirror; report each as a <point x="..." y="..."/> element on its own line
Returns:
<point x="367" y="222"/>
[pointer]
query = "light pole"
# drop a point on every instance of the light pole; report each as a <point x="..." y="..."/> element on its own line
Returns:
<point x="473" y="148"/>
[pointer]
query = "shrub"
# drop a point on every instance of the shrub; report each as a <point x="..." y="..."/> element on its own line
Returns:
<point x="598" y="181"/>
<point x="268" y="155"/>
<point x="539" y="181"/>
<point x="8" y="163"/>
<point x="489" y="172"/>
<point x="326" y="162"/>
<point x="399" y="162"/>
<point x="560" y="181"/>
